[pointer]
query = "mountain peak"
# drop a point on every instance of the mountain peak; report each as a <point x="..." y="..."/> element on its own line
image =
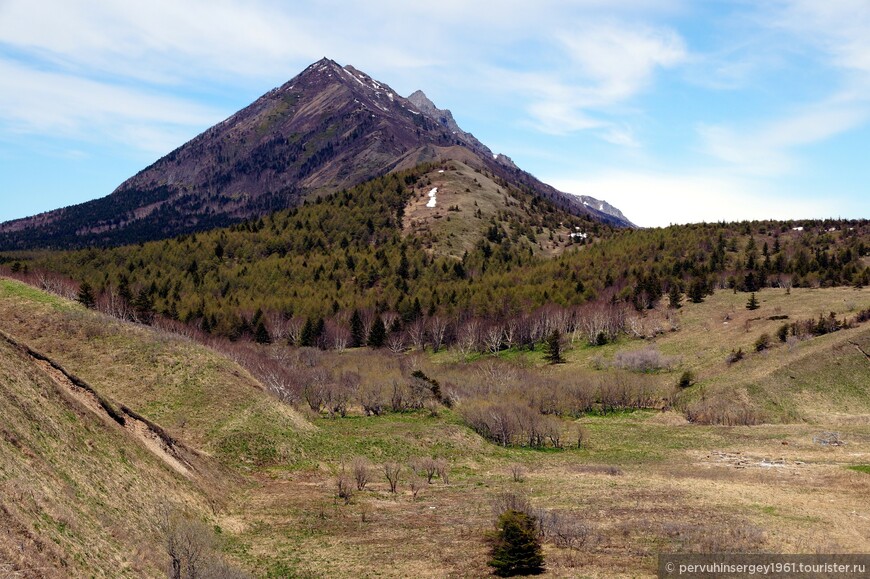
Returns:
<point x="330" y="127"/>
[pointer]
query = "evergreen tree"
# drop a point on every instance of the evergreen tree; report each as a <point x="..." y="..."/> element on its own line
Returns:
<point x="306" y="337"/>
<point x="674" y="297"/>
<point x="554" y="348"/>
<point x="357" y="331"/>
<point x="124" y="289"/>
<point x="752" y="304"/>
<point x="143" y="307"/>
<point x="261" y="334"/>
<point x="378" y="334"/>
<point x="86" y="296"/>
<point x="697" y="291"/>
<point x="516" y="547"/>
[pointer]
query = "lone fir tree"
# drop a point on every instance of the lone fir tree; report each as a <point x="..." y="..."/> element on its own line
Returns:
<point x="554" y="348"/>
<point x="516" y="546"/>
<point x="752" y="304"/>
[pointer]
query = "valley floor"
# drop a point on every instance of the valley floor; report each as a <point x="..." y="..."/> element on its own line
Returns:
<point x="643" y="482"/>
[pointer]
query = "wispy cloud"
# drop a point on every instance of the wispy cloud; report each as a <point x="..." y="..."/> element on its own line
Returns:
<point x="768" y="149"/>
<point x="65" y="106"/>
<point x="836" y="33"/>
<point x="598" y="61"/>
<point x="841" y="28"/>
<point x="604" y="66"/>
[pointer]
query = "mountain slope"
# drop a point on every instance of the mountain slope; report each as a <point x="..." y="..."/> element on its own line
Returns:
<point x="329" y="128"/>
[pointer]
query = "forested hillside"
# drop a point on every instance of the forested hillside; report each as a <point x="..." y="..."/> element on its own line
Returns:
<point x="349" y="252"/>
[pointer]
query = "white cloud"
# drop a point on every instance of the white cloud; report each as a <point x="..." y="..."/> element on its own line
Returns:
<point x="608" y="64"/>
<point x="657" y="200"/>
<point x="840" y="27"/>
<point x="835" y="33"/>
<point x="63" y="106"/>
<point x="598" y="61"/>
<point x="619" y="59"/>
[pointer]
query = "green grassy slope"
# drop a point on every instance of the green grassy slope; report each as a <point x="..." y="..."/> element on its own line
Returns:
<point x="197" y="395"/>
<point x="77" y="494"/>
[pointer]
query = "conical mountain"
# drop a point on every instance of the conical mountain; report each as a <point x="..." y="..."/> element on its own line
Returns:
<point x="330" y="127"/>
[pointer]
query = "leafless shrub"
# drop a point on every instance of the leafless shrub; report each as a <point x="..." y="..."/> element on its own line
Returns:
<point x="828" y="439"/>
<point x="580" y="435"/>
<point x="373" y="398"/>
<point x="400" y="397"/>
<point x="566" y="529"/>
<point x="190" y="547"/>
<point x="308" y="358"/>
<point x="518" y="472"/>
<point x="599" y="469"/>
<point x="724" y="410"/>
<point x="511" y="501"/>
<point x="432" y="406"/>
<point x="442" y="465"/>
<point x="337" y="395"/>
<point x="648" y="359"/>
<point x="392" y="470"/>
<point x="316" y="390"/>
<point x="344" y="485"/>
<point x="740" y="537"/>
<point x="361" y="470"/>
<point x="416" y="484"/>
<point x="618" y="391"/>
<point x="426" y="467"/>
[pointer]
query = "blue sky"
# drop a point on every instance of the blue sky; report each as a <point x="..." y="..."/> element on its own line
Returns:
<point x="675" y="111"/>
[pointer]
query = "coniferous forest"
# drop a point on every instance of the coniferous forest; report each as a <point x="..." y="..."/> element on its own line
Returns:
<point x="302" y="274"/>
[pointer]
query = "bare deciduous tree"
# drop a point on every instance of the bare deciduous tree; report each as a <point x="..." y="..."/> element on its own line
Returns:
<point x="361" y="472"/>
<point x="416" y="484"/>
<point x="437" y="330"/>
<point x="392" y="470"/>
<point x="397" y="342"/>
<point x="417" y="334"/>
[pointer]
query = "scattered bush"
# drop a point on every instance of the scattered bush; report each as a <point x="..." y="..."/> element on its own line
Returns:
<point x="512" y="423"/>
<point x="735" y="356"/>
<point x="416" y="484"/>
<point x="687" y="379"/>
<point x="762" y="343"/>
<point x="344" y="485"/>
